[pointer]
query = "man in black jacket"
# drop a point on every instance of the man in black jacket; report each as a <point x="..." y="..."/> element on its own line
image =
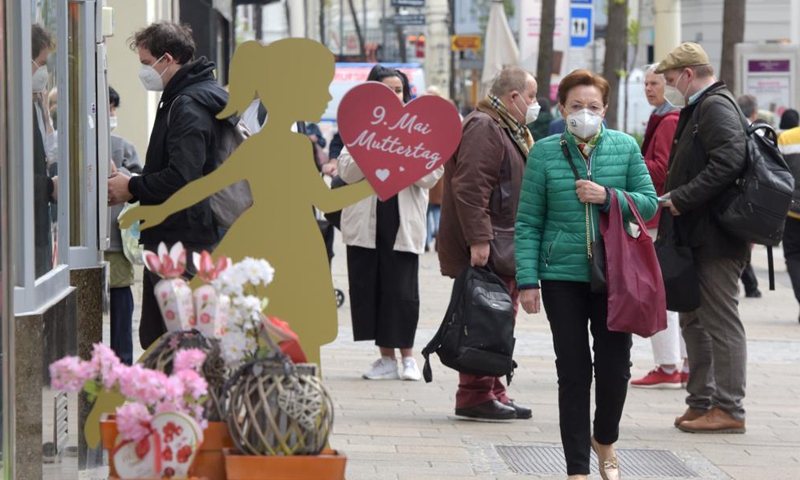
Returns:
<point x="707" y="157"/>
<point x="182" y="149"/>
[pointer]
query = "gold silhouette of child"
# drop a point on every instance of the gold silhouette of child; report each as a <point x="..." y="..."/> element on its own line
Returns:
<point x="291" y="77"/>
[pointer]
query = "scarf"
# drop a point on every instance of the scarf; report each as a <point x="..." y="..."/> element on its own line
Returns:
<point x="492" y="106"/>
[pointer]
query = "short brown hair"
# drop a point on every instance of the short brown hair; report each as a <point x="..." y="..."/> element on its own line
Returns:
<point x="582" y="77"/>
<point x="166" y="37"/>
<point x="703" y="71"/>
<point x="40" y="40"/>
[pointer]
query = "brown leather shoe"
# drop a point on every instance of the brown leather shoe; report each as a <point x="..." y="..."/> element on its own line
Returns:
<point x="715" y="421"/>
<point x="689" y="415"/>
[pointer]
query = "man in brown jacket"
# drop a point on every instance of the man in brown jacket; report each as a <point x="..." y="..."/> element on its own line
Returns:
<point x="482" y="183"/>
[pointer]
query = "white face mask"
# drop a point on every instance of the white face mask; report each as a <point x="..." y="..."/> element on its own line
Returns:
<point x="150" y="77"/>
<point x="584" y="124"/>
<point x="112" y="123"/>
<point x="675" y="96"/>
<point x="39" y="80"/>
<point x="531" y="111"/>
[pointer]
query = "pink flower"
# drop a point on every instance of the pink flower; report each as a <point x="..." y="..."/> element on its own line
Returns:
<point x="205" y="318"/>
<point x="110" y="367"/>
<point x="189" y="359"/>
<point x="133" y="421"/>
<point x="170" y="315"/>
<point x="71" y="373"/>
<point x="195" y="385"/>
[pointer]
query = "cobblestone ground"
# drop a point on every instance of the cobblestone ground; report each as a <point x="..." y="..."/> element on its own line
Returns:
<point x="405" y="430"/>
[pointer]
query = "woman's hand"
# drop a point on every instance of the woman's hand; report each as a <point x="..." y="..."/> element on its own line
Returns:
<point x="530" y="300"/>
<point x="590" y="192"/>
<point x="151" y="215"/>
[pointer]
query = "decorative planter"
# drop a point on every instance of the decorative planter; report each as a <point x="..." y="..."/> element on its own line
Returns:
<point x="210" y="461"/>
<point x="328" y="465"/>
<point x="210" y="464"/>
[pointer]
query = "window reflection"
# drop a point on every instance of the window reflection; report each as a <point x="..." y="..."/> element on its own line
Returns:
<point x="45" y="148"/>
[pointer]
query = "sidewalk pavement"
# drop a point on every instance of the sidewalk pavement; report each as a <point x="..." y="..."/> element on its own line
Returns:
<point x="396" y="430"/>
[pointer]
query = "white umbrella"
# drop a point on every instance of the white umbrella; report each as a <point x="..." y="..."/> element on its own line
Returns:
<point x="500" y="50"/>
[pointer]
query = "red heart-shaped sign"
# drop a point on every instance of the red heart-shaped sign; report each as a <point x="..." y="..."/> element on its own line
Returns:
<point x="393" y="144"/>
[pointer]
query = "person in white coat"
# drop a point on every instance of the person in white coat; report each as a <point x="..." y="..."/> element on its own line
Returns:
<point x="384" y="240"/>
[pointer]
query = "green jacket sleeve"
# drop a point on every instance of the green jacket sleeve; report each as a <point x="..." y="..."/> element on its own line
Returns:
<point x="639" y="186"/>
<point x="531" y="219"/>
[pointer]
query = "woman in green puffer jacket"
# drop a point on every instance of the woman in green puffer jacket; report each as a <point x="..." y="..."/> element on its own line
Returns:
<point x="555" y="213"/>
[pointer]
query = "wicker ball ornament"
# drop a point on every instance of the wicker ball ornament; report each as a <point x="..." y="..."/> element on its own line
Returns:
<point x="214" y="370"/>
<point x="278" y="408"/>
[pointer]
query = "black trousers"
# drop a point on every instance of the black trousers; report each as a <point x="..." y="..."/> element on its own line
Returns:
<point x="791" y="252"/>
<point x="570" y="307"/>
<point x="122" y="323"/>
<point x="151" y="325"/>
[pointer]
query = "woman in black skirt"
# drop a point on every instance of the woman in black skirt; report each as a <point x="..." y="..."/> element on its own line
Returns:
<point x="384" y="241"/>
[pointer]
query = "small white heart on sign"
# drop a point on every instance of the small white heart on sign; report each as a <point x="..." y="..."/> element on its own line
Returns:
<point x="402" y="169"/>
<point x="382" y="174"/>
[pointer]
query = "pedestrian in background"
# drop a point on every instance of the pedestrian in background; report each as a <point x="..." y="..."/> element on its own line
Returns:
<point x="707" y="158"/>
<point x="558" y="220"/>
<point x="125" y="159"/>
<point x="669" y="349"/>
<point x="789" y="143"/>
<point x="384" y="240"/>
<point x="540" y="127"/>
<point x="482" y="182"/>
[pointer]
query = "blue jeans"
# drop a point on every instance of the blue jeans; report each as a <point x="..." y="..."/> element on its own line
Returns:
<point x="434" y="212"/>
<point x="121" y="323"/>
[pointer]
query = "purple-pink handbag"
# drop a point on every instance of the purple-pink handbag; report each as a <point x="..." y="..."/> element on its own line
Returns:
<point x="636" y="297"/>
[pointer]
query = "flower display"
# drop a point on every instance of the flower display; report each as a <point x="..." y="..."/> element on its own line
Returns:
<point x="149" y="392"/>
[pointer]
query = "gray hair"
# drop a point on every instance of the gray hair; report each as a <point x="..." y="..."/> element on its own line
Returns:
<point x="508" y="80"/>
<point x="748" y="104"/>
<point x="648" y="69"/>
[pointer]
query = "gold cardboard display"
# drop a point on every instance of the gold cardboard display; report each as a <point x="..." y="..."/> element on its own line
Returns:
<point x="291" y="77"/>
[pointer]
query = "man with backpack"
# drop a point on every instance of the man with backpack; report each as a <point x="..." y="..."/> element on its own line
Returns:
<point x="482" y="183"/>
<point x="708" y="156"/>
<point x="182" y="148"/>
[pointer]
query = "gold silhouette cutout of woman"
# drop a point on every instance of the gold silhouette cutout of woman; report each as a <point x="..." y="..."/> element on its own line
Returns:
<point x="291" y="77"/>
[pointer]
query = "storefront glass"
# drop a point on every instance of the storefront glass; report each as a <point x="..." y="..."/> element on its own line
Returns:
<point x="44" y="49"/>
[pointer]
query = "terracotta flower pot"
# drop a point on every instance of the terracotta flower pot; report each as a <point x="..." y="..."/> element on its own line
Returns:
<point x="328" y="465"/>
<point x="210" y="460"/>
<point x="108" y="435"/>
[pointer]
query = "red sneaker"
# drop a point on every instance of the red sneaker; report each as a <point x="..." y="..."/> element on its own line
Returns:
<point x="658" y="378"/>
<point x="684" y="378"/>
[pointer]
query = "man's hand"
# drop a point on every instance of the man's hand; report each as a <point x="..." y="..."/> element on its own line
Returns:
<point x="590" y="192"/>
<point x="668" y="204"/>
<point x="55" y="188"/>
<point x="118" y="189"/>
<point x="530" y="300"/>
<point x="479" y="254"/>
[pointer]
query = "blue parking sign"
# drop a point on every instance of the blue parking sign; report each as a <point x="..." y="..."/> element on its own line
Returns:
<point x="581" y="25"/>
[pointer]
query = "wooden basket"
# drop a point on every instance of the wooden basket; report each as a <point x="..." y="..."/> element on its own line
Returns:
<point x="328" y="465"/>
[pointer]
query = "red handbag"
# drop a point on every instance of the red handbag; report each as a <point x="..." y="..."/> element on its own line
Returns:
<point x="636" y="298"/>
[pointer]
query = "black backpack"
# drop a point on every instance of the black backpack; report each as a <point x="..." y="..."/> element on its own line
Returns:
<point x="755" y="208"/>
<point x="477" y="333"/>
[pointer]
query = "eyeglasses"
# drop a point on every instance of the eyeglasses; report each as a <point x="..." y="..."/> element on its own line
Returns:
<point x="576" y="107"/>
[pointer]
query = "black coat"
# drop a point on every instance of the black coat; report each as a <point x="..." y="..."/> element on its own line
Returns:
<point x="708" y="155"/>
<point x="180" y="151"/>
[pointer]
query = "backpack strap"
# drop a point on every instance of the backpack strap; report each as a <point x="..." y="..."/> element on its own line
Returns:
<point x="436" y="342"/>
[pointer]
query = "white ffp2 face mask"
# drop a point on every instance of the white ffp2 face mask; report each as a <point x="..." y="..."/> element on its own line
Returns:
<point x="584" y="124"/>
<point x="150" y="77"/>
<point x="39" y="80"/>
<point x="531" y="111"/>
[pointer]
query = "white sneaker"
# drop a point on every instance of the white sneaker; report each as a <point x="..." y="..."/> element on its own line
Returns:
<point x="384" y="368"/>
<point x="410" y="369"/>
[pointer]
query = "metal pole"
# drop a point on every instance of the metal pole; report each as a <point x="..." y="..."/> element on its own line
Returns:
<point x="341" y="28"/>
<point x="364" y="7"/>
<point x="385" y="41"/>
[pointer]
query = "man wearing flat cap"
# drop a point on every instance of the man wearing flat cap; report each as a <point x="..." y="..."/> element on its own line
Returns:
<point x="707" y="157"/>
